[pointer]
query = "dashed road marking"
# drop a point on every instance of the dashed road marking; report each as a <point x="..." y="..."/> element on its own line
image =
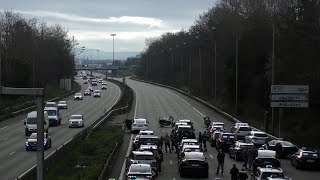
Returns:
<point x="5" y="139"/>
<point x="4" y="128"/>
<point x="185" y="101"/>
<point x="198" y="111"/>
<point x="173" y="178"/>
<point x="211" y="156"/>
<point x="163" y="131"/>
<point x="12" y="153"/>
<point x="170" y="161"/>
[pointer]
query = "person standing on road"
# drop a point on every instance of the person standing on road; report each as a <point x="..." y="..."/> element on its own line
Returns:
<point x="204" y="140"/>
<point x="234" y="171"/>
<point x="172" y="140"/>
<point x="200" y="140"/>
<point x="167" y="143"/>
<point x="220" y="158"/>
<point x="278" y="149"/>
<point x="251" y="156"/>
<point x="245" y="158"/>
<point x="157" y="157"/>
<point x="161" y="141"/>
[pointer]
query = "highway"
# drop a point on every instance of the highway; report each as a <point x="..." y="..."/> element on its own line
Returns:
<point x="154" y="102"/>
<point x="13" y="157"/>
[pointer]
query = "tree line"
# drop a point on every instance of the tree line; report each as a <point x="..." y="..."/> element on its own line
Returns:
<point x="226" y="56"/>
<point x="33" y="53"/>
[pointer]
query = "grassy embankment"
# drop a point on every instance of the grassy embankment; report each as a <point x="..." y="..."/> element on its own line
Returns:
<point x="86" y="159"/>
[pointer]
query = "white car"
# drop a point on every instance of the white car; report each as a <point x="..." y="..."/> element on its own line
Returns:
<point x="104" y="87"/>
<point x="62" y="105"/>
<point x="139" y="124"/>
<point x="50" y="104"/>
<point x="141" y="171"/>
<point x="76" y="121"/>
<point x="78" y="96"/>
<point x="257" y="138"/>
<point x="96" y="93"/>
<point x="104" y="83"/>
<point x="100" y="80"/>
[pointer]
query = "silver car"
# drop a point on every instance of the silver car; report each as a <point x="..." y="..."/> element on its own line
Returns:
<point x="76" y="121"/>
<point x="62" y="105"/>
<point x="78" y="96"/>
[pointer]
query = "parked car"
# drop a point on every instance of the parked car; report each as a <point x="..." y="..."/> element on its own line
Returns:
<point x="31" y="142"/>
<point x="287" y="147"/>
<point x="142" y="157"/>
<point x="77" y="96"/>
<point x="305" y="158"/>
<point x="236" y="125"/>
<point x="147" y="147"/>
<point x="140" y="171"/>
<point x="242" y="131"/>
<point x="139" y="124"/>
<point x="145" y="132"/>
<point x="193" y="163"/>
<point x="62" y="105"/>
<point x="225" y="141"/>
<point x="144" y="140"/>
<point x="265" y="158"/>
<point x="237" y="149"/>
<point x="76" y="120"/>
<point x="188" y="148"/>
<point x="185" y="131"/>
<point x="258" y="138"/>
<point x="264" y="173"/>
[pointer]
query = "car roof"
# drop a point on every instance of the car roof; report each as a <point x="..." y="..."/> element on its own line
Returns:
<point x="62" y="101"/>
<point x="188" y="140"/>
<point x="217" y="122"/>
<point x="139" y="119"/>
<point x="184" y="126"/>
<point x="50" y="102"/>
<point x="149" y="136"/>
<point x="258" y="132"/>
<point x="50" y="108"/>
<point x="136" y="166"/>
<point x="184" y="120"/>
<point x="188" y="146"/>
<point x="266" y="154"/>
<point x="244" y="143"/>
<point x="148" y="146"/>
<point x="271" y="169"/>
<point x="76" y="115"/>
<point x="142" y="153"/>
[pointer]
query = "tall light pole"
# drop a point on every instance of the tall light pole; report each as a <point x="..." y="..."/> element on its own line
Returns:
<point x="237" y="53"/>
<point x="113" y="35"/>
<point x="215" y="65"/>
<point x="98" y="54"/>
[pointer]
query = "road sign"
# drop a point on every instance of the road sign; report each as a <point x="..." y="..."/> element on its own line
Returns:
<point x="290" y="96"/>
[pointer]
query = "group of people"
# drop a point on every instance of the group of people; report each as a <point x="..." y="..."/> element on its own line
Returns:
<point x="248" y="156"/>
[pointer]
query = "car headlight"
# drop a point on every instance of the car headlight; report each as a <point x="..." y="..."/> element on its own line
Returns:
<point x="45" y="142"/>
<point x="27" y="143"/>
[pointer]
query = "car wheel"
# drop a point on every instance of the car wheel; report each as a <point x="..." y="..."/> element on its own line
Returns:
<point x="181" y="172"/>
<point x="161" y="125"/>
<point x="297" y="166"/>
<point x="206" y="175"/>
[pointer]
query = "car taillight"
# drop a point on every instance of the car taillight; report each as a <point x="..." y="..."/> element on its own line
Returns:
<point x="301" y="158"/>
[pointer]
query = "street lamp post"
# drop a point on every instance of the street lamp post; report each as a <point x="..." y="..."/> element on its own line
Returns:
<point x="98" y="54"/>
<point x="113" y="47"/>
<point x="237" y="53"/>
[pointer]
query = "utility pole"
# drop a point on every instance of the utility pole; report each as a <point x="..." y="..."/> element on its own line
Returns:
<point x="200" y="70"/>
<point x="181" y="64"/>
<point x="236" y="103"/>
<point x="113" y="47"/>
<point x="273" y="70"/>
<point x="189" y="74"/>
<point x="215" y="69"/>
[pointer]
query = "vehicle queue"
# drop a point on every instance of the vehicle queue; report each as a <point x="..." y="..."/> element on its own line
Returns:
<point x="261" y="155"/>
<point x="52" y="115"/>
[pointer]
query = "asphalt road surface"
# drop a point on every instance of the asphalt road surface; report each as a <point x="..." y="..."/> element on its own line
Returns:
<point x="13" y="157"/>
<point x="154" y="102"/>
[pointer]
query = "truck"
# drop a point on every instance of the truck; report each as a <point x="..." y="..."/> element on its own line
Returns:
<point x="31" y="123"/>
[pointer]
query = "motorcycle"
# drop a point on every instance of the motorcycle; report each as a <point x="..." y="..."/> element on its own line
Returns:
<point x="166" y="121"/>
<point x="206" y="121"/>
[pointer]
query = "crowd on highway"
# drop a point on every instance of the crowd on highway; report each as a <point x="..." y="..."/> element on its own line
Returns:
<point x="52" y="115"/>
<point x="260" y="153"/>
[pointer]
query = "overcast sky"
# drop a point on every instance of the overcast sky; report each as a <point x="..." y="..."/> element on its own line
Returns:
<point x="92" y="21"/>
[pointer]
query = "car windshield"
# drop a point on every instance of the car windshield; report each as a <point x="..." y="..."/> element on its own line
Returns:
<point x="96" y="91"/>
<point x="78" y="94"/>
<point x="140" y="169"/>
<point x="76" y="117"/>
<point x="31" y="120"/>
<point x="244" y="128"/>
<point x="50" y="105"/>
<point x="260" y="135"/>
<point x="149" y="141"/>
<point x="33" y="136"/>
<point x="286" y="143"/>
<point x="140" y="121"/>
<point x="51" y="112"/>
<point x="62" y="102"/>
<point x="144" y="157"/>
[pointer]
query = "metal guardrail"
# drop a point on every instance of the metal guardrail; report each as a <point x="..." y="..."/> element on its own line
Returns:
<point x="219" y="111"/>
<point x="51" y="158"/>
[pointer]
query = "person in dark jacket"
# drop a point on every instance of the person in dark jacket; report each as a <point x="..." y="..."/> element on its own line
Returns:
<point x="220" y="158"/>
<point x="166" y="140"/>
<point x="278" y="149"/>
<point x="234" y="171"/>
<point x="245" y="158"/>
<point x="243" y="174"/>
<point x="200" y="140"/>
<point x="204" y="140"/>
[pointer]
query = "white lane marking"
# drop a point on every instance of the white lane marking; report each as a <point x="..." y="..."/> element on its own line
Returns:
<point x="211" y="156"/>
<point x="12" y="153"/>
<point x="173" y="178"/>
<point x="198" y="111"/>
<point x="170" y="161"/>
<point x="5" y="139"/>
<point x="4" y="128"/>
<point x="130" y="144"/>
<point x="162" y="130"/>
<point x="185" y="101"/>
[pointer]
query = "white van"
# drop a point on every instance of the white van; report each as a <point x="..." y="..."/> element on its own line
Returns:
<point x="53" y="115"/>
<point x="31" y="123"/>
